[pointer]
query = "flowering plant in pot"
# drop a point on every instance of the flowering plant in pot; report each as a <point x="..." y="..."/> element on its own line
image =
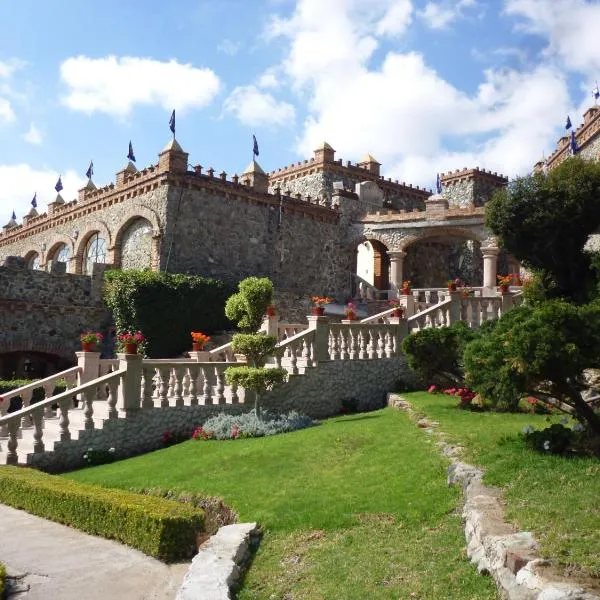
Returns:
<point x="89" y="339"/>
<point x="504" y="281"/>
<point x="271" y="310"/>
<point x="405" y="289"/>
<point x="454" y="284"/>
<point x="350" y="310"/>
<point x="319" y="304"/>
<point x="130" y="342"/>
<point x="199" y="340"/>
<point x="395" y="304"/>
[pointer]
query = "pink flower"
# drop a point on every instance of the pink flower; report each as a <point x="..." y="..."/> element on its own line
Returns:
<point x="432" y="388"/>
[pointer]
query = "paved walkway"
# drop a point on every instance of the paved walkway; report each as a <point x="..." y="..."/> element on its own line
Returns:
<point x="55" y="562"/>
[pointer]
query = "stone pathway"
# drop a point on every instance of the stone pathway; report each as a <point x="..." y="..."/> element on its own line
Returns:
<point x="48" y="560"/>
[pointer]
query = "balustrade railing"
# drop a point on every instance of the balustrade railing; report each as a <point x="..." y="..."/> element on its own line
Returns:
<point x="288" y="330"/>
<point x="362" y="341"/>
<point x="434" y="316"/>
<point x="296" y="352"/>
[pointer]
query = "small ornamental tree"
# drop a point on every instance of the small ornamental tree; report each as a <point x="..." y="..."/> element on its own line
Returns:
<point x="255" y="376"/>
<point x="435" y="354"/>
<point x="539" y="351"/>
<point x="247" y="307"/>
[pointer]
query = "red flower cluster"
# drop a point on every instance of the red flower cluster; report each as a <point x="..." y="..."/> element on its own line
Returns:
<point x="235" y="431"/>
<point x="200" y="433"/>
<point x="465" y="394"/>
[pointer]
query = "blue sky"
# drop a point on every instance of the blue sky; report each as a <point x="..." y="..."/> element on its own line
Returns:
<point x="424" y="86"/>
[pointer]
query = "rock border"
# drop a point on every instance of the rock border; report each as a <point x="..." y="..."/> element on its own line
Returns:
<point x="494" y="546"/>
<point x="217" y="569"/>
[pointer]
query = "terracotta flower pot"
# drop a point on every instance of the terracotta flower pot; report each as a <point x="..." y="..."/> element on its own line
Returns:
<point x="350" y="315"/>
<point x="503" y="289"/>
<point x="397" y="312"/>
<point x="130" y="348"/>
<point x="88" y="346"/>
<point x="196" y="347"/>
<point x="270" y="311"/>
<point x="405" y="291"/>
<point x="318" y="310"/>
<point x="451" y="287"/>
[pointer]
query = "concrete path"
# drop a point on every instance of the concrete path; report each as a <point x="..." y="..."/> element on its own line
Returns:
<point x="55" y="562"/>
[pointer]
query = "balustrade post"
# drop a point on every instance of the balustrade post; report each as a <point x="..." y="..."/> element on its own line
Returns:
<point x="454" y="312"/>
<point x="490" y="266"/>
<point x="199" y="355"/>
<point x="320" y="325"/>
<point x="89" y="366"/>
<point x="270" y="325"/>
<point x="130" y="389"/>
<point x="396" y="268"/>
<point x="508" y="301"/>
<point x="408" y="304"/>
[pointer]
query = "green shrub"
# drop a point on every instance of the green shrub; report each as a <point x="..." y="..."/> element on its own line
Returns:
<point x="166" y="307"/>
<point x="7" y="385"/>
<point x="2" y="581"/>
<point x="256" y="346"/>
<point x="160" y="528"/>
<point x="247" y="307"/>
<point x="435" y="354"/>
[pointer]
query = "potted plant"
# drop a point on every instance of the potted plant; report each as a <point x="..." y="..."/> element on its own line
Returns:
<point x="504" y="282"/>
<point x="454" y="284"/>
<point x="395" y="304"/>
<point x="271" y="310"/>
<point x="405" y="289"/>
<point x="130" y="342"/>
<point x="350" y="310"/>
<point x="319" y="304"/>
<point x="199" y="340"/>
<point x="89" y="339"/>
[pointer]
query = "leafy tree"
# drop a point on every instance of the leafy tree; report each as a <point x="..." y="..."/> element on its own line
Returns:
<point x="540" y="351"/>
<point x="247" y="307"/>
<point x="435" y="354"/>
<point x="544" y="220"/>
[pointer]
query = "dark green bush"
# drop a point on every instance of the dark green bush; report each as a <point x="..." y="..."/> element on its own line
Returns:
<point x="435" y="354"/>
<point x="166" y="307"/>
<point x="161" y="528"/>
<point x="2" y="580"/>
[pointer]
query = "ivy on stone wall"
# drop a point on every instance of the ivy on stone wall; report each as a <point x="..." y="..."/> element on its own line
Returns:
<point x="166" y="307"/>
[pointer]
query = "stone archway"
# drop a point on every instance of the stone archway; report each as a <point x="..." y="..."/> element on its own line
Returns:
<point x="373" y="263"/>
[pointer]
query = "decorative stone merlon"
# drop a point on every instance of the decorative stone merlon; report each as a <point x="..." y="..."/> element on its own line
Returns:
<point x="436" y="204"/>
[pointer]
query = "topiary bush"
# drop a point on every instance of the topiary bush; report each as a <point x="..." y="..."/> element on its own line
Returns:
<point x="247" y="307"/>
<point x="160" y="528"/>
<point x="166" y="307"/>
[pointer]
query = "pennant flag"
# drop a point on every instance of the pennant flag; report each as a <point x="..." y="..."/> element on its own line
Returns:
<point x="130" y="154"/>
<point x="14" y="216"/>
<point x="34" y="201"/>
<point x="172" y="122"/>
<point x="574" y="146"/>
<point x="255" y="147"/>
<point x="596" y="93"/>
<point x="438" y="184"/>
<point x="59" y="186"/>
<point x="568" y="124"/>
<point x="90" y="170"/>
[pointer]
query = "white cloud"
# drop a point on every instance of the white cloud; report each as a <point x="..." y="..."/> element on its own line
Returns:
<point x="229" y="47"/>
<point x="33" y="135"/>
<point x="438" y="15"/>
<point x="21" y="181"/>
<point x="253" y="107"/>
<point x="8" y="67"/>
<point x="114" y="85"/>
<point x="6" y="112"/>
<point x="396" y="19"/>
<point x="268" y="79"/>
<point x="402" y="111"/>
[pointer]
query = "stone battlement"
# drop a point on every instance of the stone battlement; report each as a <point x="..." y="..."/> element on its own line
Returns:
<point x="465" y="174"/>
<point x="423" y="215"/>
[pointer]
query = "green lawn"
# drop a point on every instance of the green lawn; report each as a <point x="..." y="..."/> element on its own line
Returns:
<point x="556" y="498"/>
<point x="354" y="508"/>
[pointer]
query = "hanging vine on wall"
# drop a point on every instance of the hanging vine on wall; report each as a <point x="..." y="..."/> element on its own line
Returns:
<point x="165" y="307"/>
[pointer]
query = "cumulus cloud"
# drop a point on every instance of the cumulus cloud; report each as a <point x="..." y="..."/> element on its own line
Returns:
<point x="7" y="68"/>
<point x="438" y="15"/>
<point x="251" y="106"/>
<point x="401" y="110"/>
<point x="6" y="112"/>
<point x="268" y="79"/>
<point x="33" y="135"/>
<point x="21" y="181"/>
<point x="114" y="85"/>
<point x="229" y="47"/>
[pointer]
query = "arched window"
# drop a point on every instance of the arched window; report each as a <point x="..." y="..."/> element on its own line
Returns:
<point x="136" y="245"/>
<point x="95" y="252"/>
<point x="63" y="254"/>
<point x="34" y="261"/>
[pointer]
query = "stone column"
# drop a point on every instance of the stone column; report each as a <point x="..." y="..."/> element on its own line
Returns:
<point x="321" y="327"/>
<point x="89" y="365"/>
<point x="490" y="266"/>
<point x="270" y="325"/>
<point x="130" y="386"/>
<point x="199" y="355"/>
<point x="396" y="269"/>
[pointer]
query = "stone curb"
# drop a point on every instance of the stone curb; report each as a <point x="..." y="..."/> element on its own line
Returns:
<point x="217" y="568"/>
<point x="493" y="545"/>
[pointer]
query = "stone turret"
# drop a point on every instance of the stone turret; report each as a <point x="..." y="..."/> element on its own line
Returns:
<point x="173" y="158"/>
<point x="254" y="177"/>
<point x="324" y="153"/>
<point x="470" y="187"/>
<point x="88" y="187"/>
<point x="370" y="164"/>
<point x="128" y="170"/>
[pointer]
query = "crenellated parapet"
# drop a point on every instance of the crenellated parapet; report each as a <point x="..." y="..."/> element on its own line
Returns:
<point x="470" y="187"/>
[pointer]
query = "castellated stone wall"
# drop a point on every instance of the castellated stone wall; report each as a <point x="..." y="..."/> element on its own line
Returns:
<point x="46" y="312"/>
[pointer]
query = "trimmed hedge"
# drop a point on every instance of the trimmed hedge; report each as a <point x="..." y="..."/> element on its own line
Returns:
<point x="7" y="385"/>
<point x="161" y="528"/>
<point x="166" y="307"/>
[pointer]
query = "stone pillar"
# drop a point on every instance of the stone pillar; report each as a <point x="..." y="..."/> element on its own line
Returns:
<point x="270" y="325"/>
<point x="89" y="365"/>
<point x="455" y="306"/>
<point x="396" y="271"/>
<point x="407" y="302"/>
<point x="199" y="355"/>
<point x="490" y="266"/>
<point x="130" y="387"/>
<point x="321" y="327"/>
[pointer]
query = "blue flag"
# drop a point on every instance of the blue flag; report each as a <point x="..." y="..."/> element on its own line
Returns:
<point x="255" y="147"/>
<point x="596" y="93"/>
<point x="34" y="201"/>
<point x="59" y="186"/>
<point x="130" y="154"/>
<point x="438" y="184"/>
<point x="90" y="170"/>
<point x="172" y="122"/>
<point x="14" y="217"/>
<point x="568" y="123"/>
<point x="574" y="146"/>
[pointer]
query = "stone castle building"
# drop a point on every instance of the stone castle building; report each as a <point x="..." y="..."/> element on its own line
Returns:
<point x="319" y="226"/>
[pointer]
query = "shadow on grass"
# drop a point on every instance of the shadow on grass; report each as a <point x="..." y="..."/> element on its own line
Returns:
<point x="360" y="417"/>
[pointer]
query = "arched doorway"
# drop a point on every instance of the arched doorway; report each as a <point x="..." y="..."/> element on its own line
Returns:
<point x="373" y="264"/>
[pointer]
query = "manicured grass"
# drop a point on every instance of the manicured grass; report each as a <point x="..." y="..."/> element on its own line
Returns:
<point x="556" y="498"/>
<point x="355" y="508"/>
